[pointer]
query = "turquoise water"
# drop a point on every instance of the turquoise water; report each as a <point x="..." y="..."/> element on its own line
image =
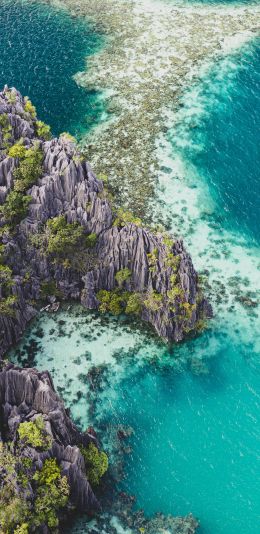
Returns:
<point x="195" y="440"/>
<point x="41" y="49"/>
<point x="220" y="139"/>
<point x="195" y="409"/>
<point x="216" y="2"/>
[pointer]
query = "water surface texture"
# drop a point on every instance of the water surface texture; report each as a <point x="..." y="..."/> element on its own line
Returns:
<point x="195" y="440"/>
<point x="41" y="49"/>
<point x="217" y="134"/>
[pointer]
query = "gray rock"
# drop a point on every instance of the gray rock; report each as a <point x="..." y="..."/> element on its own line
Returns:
<point x="69" y="187"/>
<point x="26" y="394"/>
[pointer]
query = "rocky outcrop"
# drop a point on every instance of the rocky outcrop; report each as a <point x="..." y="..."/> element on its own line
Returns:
<point x="161" y="270"/>
<point x="26" y="394"/>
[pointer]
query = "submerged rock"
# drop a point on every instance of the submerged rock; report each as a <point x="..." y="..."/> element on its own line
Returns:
<point x="161" y="279"/>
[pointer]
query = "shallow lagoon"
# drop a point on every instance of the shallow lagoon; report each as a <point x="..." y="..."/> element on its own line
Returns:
<point x="194" y="411"/>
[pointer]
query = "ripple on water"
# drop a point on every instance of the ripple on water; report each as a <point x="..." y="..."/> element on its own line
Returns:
<point x="211" y="189"/>
<point x="41" y="49"/>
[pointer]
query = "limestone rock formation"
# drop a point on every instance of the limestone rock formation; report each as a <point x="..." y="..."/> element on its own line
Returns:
<point x="127" y="265"/>
<point x="26" y="394"/>
<point x="161" y="274"/>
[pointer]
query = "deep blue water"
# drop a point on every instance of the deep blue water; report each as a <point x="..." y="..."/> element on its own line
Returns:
<point x="223" y="137"/>
<point x="41" y="48"/>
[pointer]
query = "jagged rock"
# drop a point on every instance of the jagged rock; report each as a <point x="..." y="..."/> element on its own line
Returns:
<point x="68" y="186"/>
<point x="26" y="394"/>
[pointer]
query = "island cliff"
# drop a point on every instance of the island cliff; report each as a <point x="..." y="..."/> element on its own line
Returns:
<point x="25" y="396"/>
<point x="61" y="238"/>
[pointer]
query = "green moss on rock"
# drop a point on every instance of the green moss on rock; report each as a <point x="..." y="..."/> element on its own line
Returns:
<point x="33" y="433"/>
<point x="96" y="463"/>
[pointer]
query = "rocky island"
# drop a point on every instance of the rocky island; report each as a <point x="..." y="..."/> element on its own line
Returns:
<point x="62" y="239"/>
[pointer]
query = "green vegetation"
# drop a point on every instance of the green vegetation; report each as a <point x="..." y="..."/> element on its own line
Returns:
<point x="91" y="240"/>
<point x="5" y="274"/>
<point x="7" y="299"/>
<point x="103" y="177"/>
<point x="18" y="150"/>
<point x="153" y="301"/>
<point x="173" y="279"/>
<point x="96" y="463"/>
<point x="152" y="258"/>
<point x="6" y="130"/>
<point x="30" y="168"/>
<point x="29" y="108"/>
<point x="33" y="433"/>
<point x="68" y="137"/>
<point x="2" y="252"/>
<point x="7" y="306"/>
<point x="22" y="529"/>
<point x="4" y="231"/>
<point x="67" y="244"/>
<point x="14" y="209"/>
<point x="11" y="97"/>
<point x="124" y="217"/>
<point x="63" y="237"/>
<point x="134" y="304"/>
<point x="118" y="301"/>
<point x="43" y="130"/>
<point x="172" y="261"/>
<point x="175" y="292"/>
<point x="188" y="309"/>
<point x="21" y="511"/>
<point x="201" y="325"/>
<point x="114" y="301"/>
<point x="77" y="158"/>
<point x="168" y="242"/>
<point x="48" y="287"/>
<point x="13" y="507"/>
<point x="122" y="276"/>
<point x="52" y="494"/>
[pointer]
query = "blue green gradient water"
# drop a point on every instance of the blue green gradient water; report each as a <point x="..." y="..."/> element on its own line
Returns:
<point x="195" y="440"/>
<point x="194" y="409"/>
<point x="41" y="49"/>
<point x="219" y="138"/>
